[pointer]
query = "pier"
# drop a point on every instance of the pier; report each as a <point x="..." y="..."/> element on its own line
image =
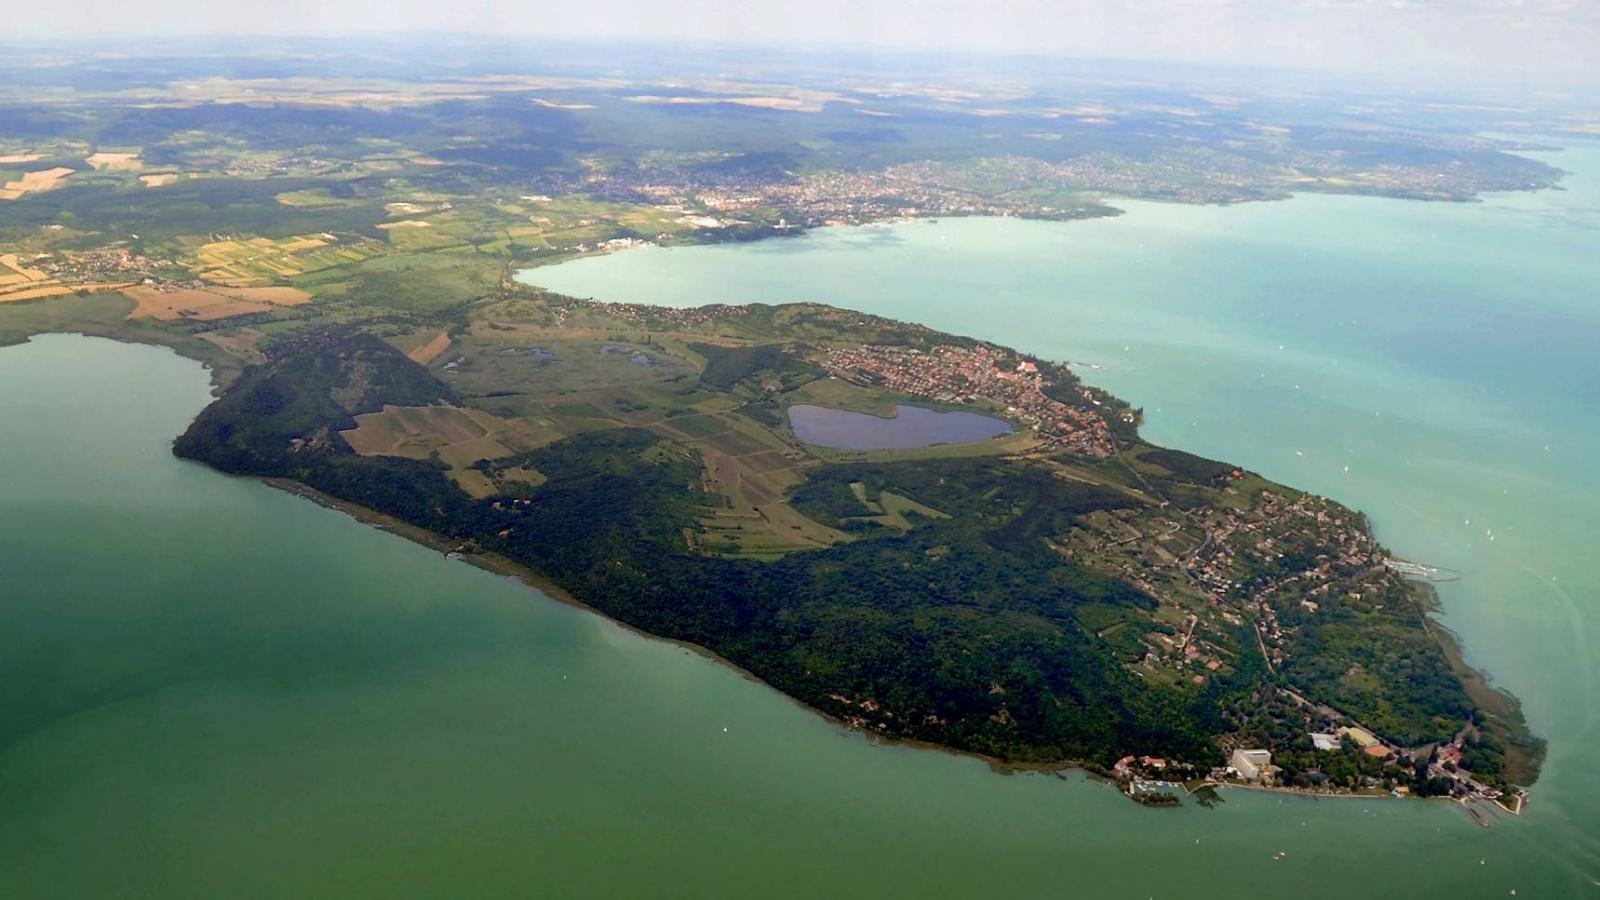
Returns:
<point x="1433" y="574"/>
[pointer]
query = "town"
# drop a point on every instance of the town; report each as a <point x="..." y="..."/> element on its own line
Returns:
<point x="951" y="374"/>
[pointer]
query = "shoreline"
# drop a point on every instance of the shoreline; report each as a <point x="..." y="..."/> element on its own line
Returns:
<point x="1105" y="208"/>
<point x="1476" y="682"/>
<point x="1499" y="704"/>
<point x="1496" y="702"/>
<point x="496" y="564"/>
<point x="1503" y="717"/>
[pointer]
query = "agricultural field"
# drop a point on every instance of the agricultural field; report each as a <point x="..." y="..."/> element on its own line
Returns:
<point x="35" y="182"/>
<point x="317" y="198"/>
<point x="210" y="304"/>
<point x="528" y="224"/>
<point x="257" y="261"/>
<point x="750" y="470"/>
<point x="21" y="282"/>
<point x="115" y="161"/>
<point x="485" y="362"/>
<point x="458" y="437"/>
<point x="429" y="348"/>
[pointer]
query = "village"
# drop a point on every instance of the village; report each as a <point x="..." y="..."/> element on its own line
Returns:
<point x="1360" y="764"/>
<point x="952" y="374"/>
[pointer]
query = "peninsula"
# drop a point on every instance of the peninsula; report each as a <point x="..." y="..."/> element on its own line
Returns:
<point x="1061" y="593"/>
<point x="921" y="535"/>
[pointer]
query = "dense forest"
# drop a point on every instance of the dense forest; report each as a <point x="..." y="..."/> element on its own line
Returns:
<point x="960" y="632"/>
<point x="967" y="628"/>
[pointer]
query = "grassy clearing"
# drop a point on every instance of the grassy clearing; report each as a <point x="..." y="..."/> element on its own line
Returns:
<point x="488" y="362"/>
<point x="318" y="198"/>
<point x="457" y="437"/>
<point x="755" y="519"/>
<point x="1006" y="445"/>
<point x="841" y="394"/>
<point x="890" y="509"/>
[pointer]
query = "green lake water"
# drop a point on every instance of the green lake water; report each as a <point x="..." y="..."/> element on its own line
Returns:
<point x="210" y="689"/>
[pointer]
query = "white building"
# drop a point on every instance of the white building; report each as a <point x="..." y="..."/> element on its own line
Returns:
<point x="1252" y="765"/>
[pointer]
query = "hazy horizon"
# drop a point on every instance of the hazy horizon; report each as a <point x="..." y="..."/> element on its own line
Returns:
<point x="1530" y="41"/>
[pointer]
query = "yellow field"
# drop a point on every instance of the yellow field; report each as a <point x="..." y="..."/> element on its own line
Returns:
<point x="58" y="290"/>
<point x="35" y="182"/>
<point x="19" y="158"/>
<point x="9" y="261"/>
<point x="277" y="296"/>
<point x="116" y="162"/>
<point x="210" y="304"/>
<point x="155" y="181"/>
<point x="431" y="351"/>
<point x="408" y="223"/>
<point x="200" y="305"/>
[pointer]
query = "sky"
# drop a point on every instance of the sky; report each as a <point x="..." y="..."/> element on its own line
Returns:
<point x="1526" y="40"/>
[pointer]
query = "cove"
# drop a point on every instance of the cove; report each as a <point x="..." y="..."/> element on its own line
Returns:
<point x="1431" y="364"/>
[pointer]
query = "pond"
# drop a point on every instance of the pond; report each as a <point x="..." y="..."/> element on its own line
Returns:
<point x="908" y="428"/>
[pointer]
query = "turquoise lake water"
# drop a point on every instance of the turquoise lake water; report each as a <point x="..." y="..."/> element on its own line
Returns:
<point x="210" y="689"/>
<point x="1436" y="365"/>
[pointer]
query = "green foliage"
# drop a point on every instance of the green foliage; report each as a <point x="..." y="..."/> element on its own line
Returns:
<point x="1188" y="467"/>
<point x="196" y="207"/>
<point x="960" y="631"/>
<point x="728" y="366"/>
<point x="281" y="414"/>
<point x="973" y="631"/>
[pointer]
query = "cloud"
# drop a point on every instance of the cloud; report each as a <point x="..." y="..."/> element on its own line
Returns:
<point x="1528" y="39"/>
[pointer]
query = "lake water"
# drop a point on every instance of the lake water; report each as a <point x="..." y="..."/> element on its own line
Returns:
<point x="909" y="427"/>
<point x="1436" y="365"/>
<point x="209" y="689"/>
